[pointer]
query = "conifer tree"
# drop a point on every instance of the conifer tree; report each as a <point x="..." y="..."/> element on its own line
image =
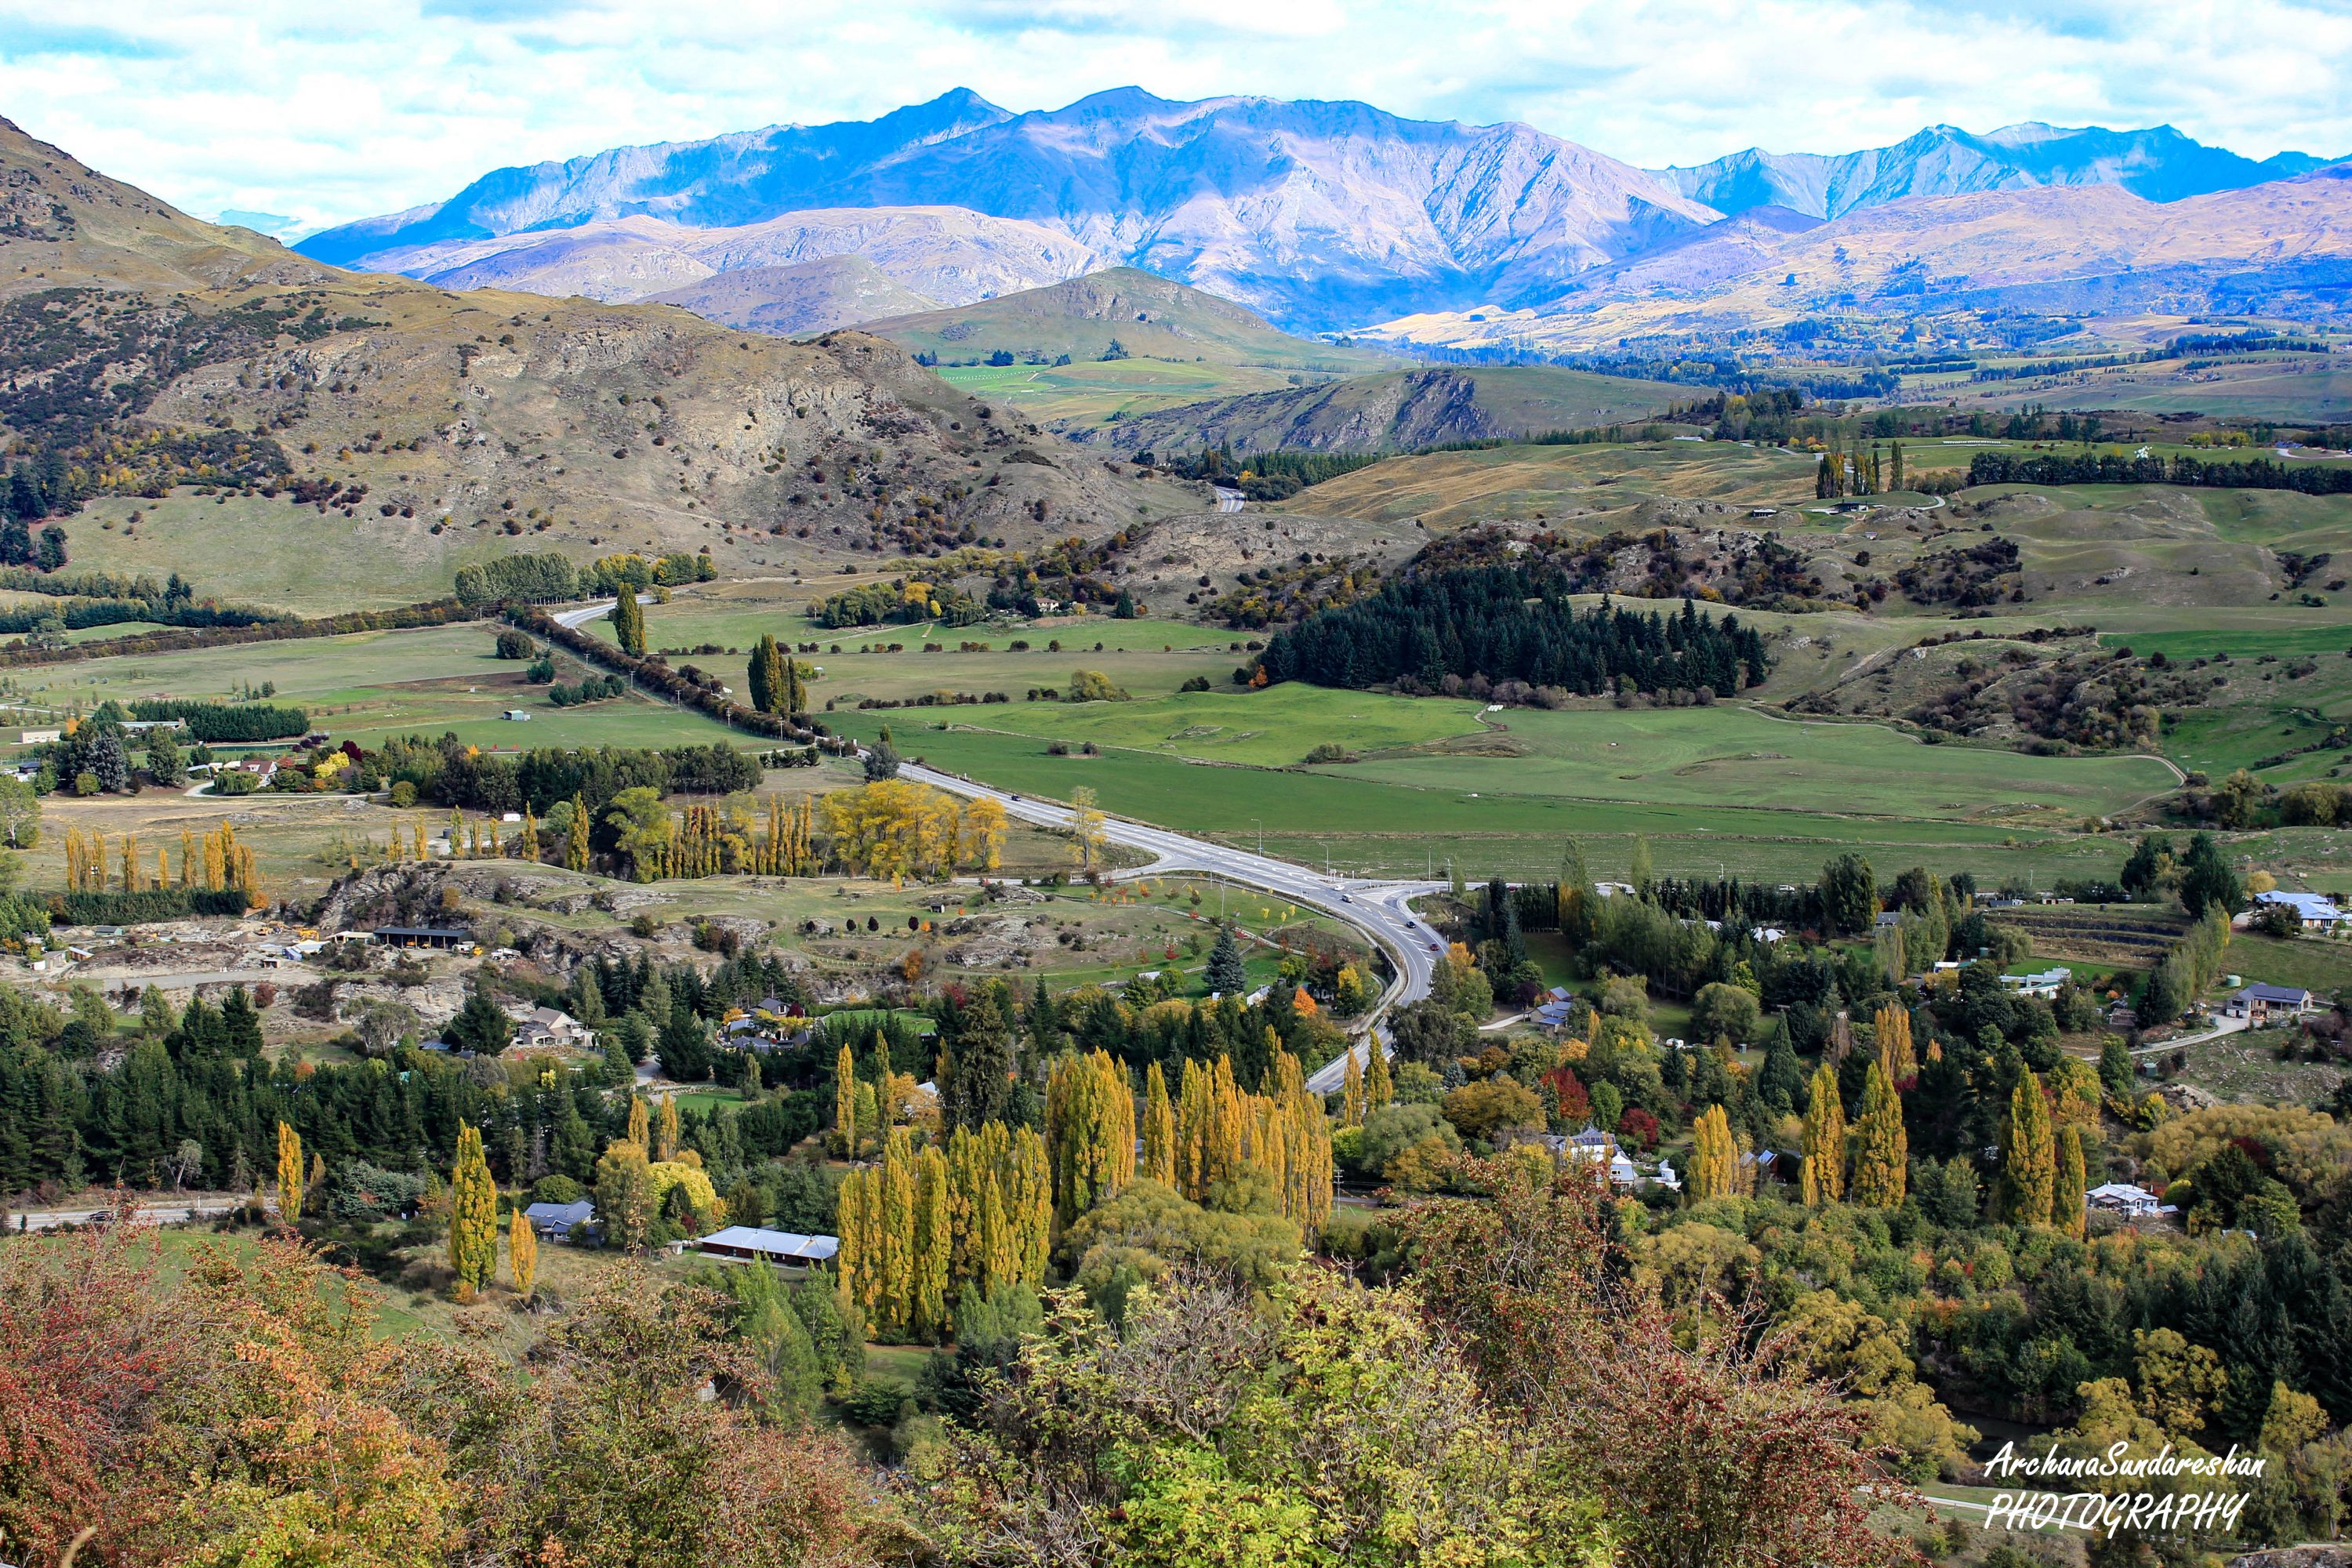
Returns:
<point x="473" y="1215"/>
<point x="289" y="1175"/>
<point x="1226" y="977"/>
<point x="2029" y="1155"/>
<point x="1159" y="1129"/>
<point x="1822" y="1175"/>
<point x="522" y="1252"/>
<point x="2066" y="1210"/>
<point x="1882" y="1153"/>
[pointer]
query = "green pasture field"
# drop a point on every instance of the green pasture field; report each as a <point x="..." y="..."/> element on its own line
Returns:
<point x="369" y="684"/>
<point x="249" y="550"/>
<point x="1370" y="827"/>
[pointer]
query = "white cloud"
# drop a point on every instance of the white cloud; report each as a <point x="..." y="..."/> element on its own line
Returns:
<point x="274" y="106"/>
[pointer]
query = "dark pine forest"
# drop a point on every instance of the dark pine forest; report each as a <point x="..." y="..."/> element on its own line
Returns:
<point x="1514" y="622"/>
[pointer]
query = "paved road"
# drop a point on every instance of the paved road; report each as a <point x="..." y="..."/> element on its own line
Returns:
<point x="577" y="617"/>
<point x="159" y="1214"/>
<point x="1376" y="909"/>
<point x="1228" y="500"/>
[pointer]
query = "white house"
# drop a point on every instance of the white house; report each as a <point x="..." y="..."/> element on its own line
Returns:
<point x="2043" y="984"/>
<point x="2123" y="1198"/>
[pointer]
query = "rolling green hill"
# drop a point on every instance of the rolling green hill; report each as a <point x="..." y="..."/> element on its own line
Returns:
<point x="1115" y="344"/>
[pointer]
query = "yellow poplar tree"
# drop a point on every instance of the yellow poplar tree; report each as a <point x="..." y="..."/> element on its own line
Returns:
<point x="1822" y="1175"/>
<point x="575" y="839"/>
<point x="473" y="1215"/>
<point x="1715" y="1158"/>
<point x="522" y="1252"/>
<point x="1892" y="1025"/>
<point x="2029" y="1155"/>
<point x="1159" y="1129"/>
<point x="289" y="1175"/>
<point x="926" y="1285"/>
<point x="1882" y="1154"/>
<point x="1089" y="1131"/>
<point x="845" y="1104"/>
<point x="1351" y="1091"/>
<point x="665" y="1138"/>
<point x="637" y="1131"/>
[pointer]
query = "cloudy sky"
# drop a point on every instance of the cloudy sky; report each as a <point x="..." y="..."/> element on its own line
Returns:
<point x="328" y="112"/>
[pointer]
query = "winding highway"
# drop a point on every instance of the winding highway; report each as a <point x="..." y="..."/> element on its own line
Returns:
<point x="1379" y="911"/>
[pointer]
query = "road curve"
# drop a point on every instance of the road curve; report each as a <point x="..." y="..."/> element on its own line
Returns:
<point x="1378" y="910"/>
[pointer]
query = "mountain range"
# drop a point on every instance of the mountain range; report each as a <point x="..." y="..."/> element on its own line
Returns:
<point x="1320" y="215"/>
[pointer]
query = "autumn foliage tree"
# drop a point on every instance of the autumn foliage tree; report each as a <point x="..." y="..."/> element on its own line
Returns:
<point x="1882" y="1154"/>
<point x="1820" y="1174"/>
<point x="1717" y="1452"/>
<point x="473" y="1215"/>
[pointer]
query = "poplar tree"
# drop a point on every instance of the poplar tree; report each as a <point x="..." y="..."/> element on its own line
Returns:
<point x="845" y="1104"/>
<point x="767" y="677"/>
<point x="2066" y="1201"/>
<point x="473" y="1215"/>
<point x="1090" y="1132"/>
<point x="2029" y="1156"/>
<point x="576" y="841"/>
<point x="1352" y="1090"/>
<point x="1159" y="1129"/>
<point x="1715" y="1158"/>
<point x="1892" y="1026"/>
<point x="629" y="622"/>
<point x="522" y="1252"/>
<point x="636" y="1132"/>
<point x="665" y="1138"/>
<point x="1379" y="1088"/>
<point x="1882" y="1154"/>
<point x="1821" y="1175"/>
<point x="289" y="1175"/>
<point x="927" y="1283"/>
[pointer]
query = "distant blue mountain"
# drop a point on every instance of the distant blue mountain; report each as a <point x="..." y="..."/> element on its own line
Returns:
<point x="2158" y="166"/>
<point x="1317" y="214"/>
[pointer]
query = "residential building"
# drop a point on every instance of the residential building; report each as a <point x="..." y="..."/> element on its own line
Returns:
<point x="2044" y="983"/>
<point x="555" y="1220"/>
<point x="2261" y="1004"/>
<point x="2123" y="1198"/>
<point x="752" y="1244"/>
<point x="2316" y="911"/>
<point x="549" y="1028"/>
